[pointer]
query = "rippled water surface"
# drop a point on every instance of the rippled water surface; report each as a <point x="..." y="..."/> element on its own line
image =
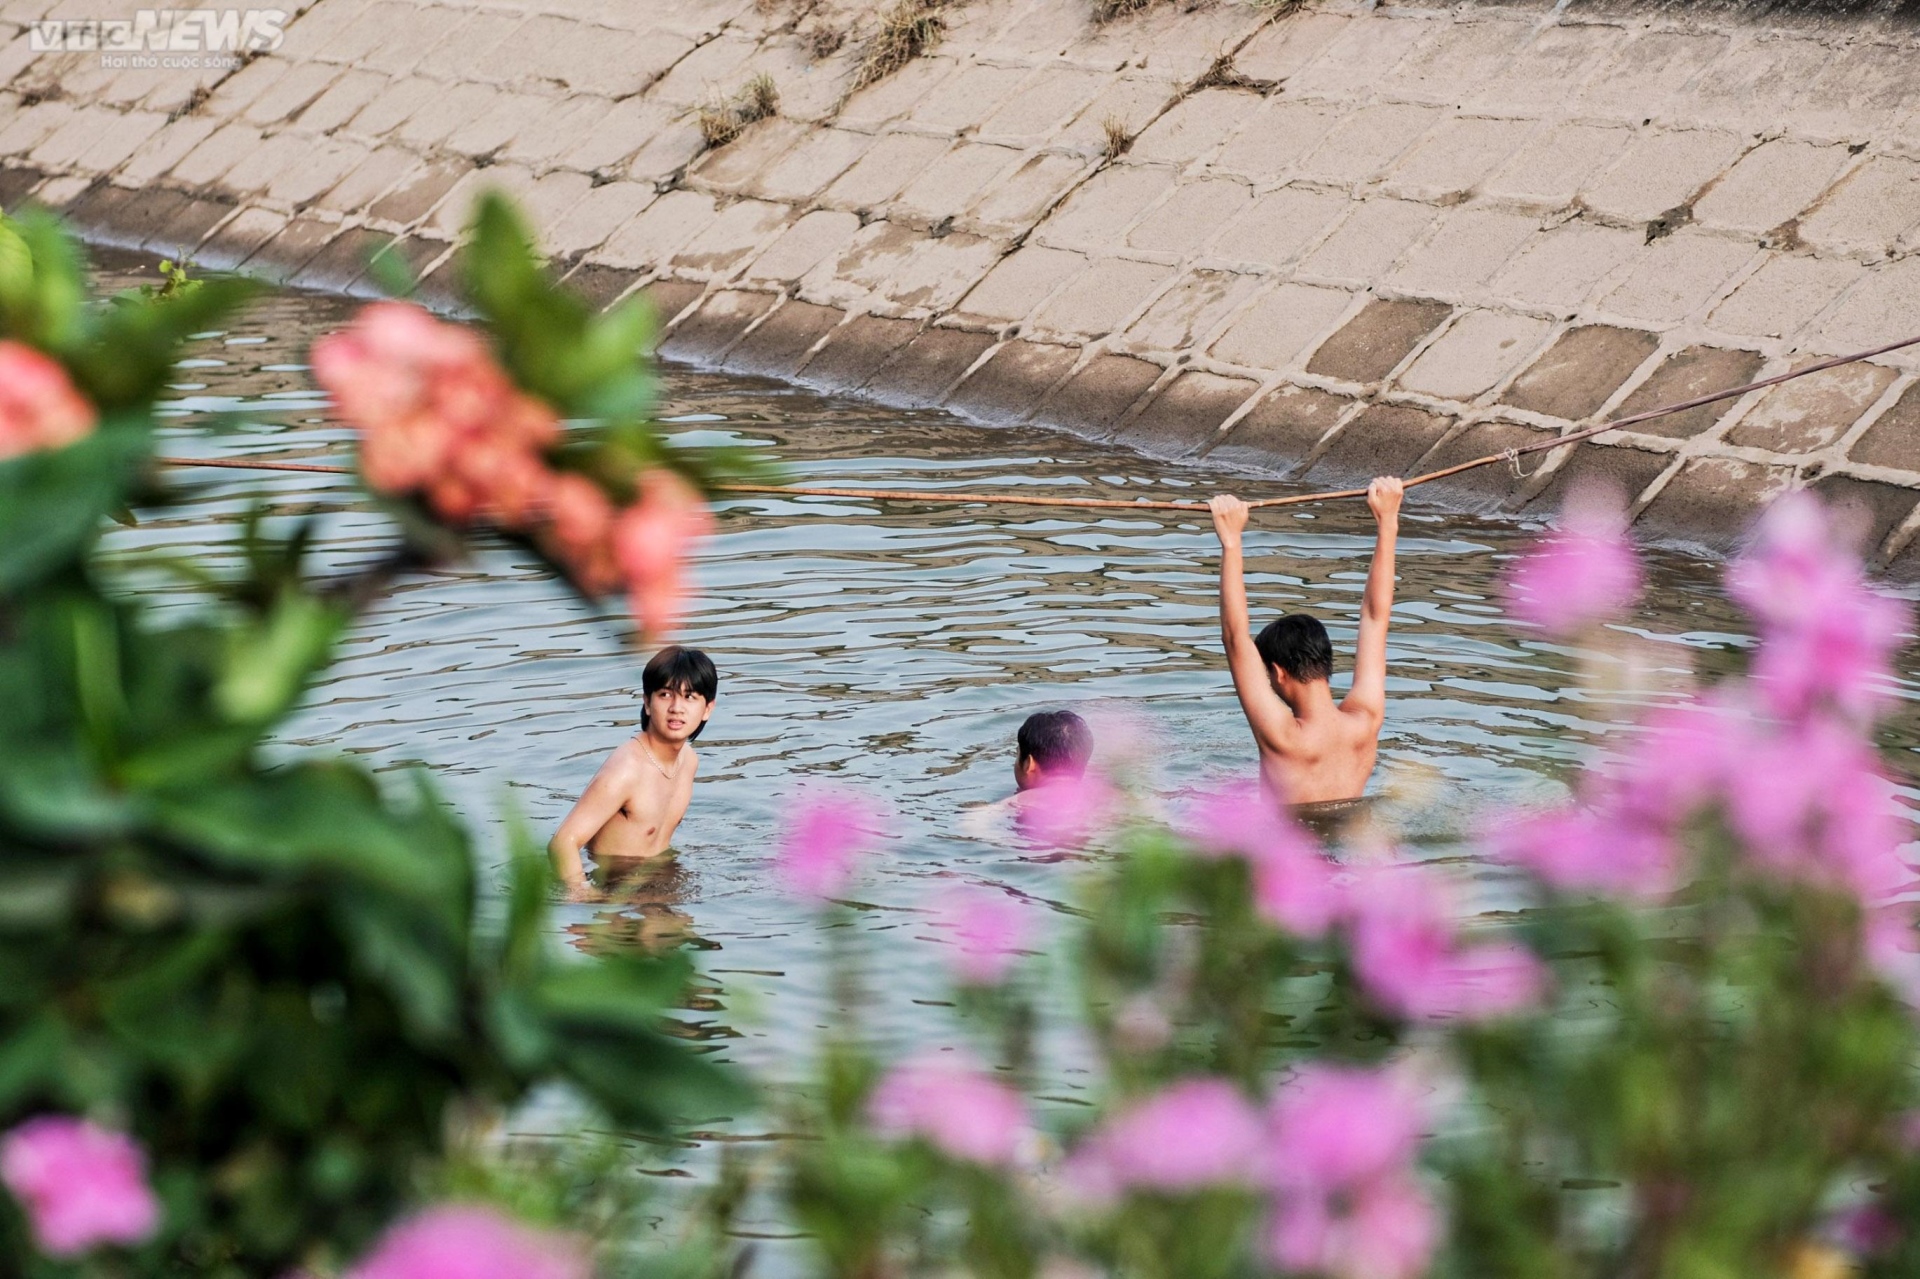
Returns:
<point x="897" y="649"/>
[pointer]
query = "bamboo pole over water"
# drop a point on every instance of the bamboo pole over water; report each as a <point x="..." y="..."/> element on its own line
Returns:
<point x="1510" y="456"/>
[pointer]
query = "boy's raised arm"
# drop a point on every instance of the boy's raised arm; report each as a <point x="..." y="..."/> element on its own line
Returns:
<point x="1266" y="714"/>
<point x="595" y="807"/>
<point x="1369" y="691"/>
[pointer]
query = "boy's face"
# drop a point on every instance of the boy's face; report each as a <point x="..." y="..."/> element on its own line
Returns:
<point x="674" y="714"/>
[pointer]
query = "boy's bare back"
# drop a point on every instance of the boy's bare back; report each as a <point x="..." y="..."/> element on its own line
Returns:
<point x="1312" y="749"/>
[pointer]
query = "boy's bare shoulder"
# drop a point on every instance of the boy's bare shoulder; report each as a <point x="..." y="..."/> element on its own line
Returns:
<point x="625" y="757"/>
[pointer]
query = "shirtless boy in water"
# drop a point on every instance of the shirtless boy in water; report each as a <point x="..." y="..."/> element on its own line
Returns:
<point x="1312" y="749"/>
<point x="631" y="808"/>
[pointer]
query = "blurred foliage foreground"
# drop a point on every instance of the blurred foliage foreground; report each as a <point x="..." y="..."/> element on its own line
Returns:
<point x="274" y="980"/>
<point x="251" y="1017"/>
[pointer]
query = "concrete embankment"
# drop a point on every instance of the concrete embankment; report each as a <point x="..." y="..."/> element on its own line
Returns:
<point x="1329" y="240"/>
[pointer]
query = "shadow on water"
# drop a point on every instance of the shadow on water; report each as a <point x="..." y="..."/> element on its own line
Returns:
<point x="896" y="649"/>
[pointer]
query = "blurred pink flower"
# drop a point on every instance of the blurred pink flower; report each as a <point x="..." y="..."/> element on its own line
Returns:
<point x="828" y="834"/>
<point x="1191" y="1135"/>
<point x="1293" y="883"/>
<point x="439" y="417"/>
<point x="651" y="540"/>
<point x="1868" y="1230"/>
<point x="1622" y="834"/>
<point x="1583" y="572"/>
<point x="413" y="386"/>
<point x="1336" y="1126"/>
<point x="1580" y="849"/>
<point x="458" y="1242"/>
<point x="1384" y="1230"/>
<point x="989" y="929"/>
<point x="955" y="1106"/>
<point x="1409" y="962"/>
<point x="39" y="406"/>
<point x="581" y="531"/>
<point x="1825" y="635"/>
<point x="1067" y="812"/>
<point x="81" y="1185"/>
<point x="1340" y="1164"/>
<point x="1810" y="803"/>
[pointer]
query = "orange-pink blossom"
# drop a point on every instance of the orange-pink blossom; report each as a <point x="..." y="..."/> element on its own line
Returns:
<point x="440" y="419"/>
<point x="39" y="406"/>
<point x="650" y="542"/>
<point x="436" y="414"/>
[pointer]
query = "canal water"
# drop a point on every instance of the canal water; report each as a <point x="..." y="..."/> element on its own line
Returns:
<point x="896" y="649"/>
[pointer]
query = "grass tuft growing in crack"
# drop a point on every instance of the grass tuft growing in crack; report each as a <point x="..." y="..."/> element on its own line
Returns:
<point x="908" y="28"/>
<point x="723" y="121"/>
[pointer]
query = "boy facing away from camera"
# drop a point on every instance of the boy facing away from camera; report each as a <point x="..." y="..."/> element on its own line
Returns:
<point x="632" y="806"/>
<point x="1051" y="745"/>
<point x="1312" y="749"/>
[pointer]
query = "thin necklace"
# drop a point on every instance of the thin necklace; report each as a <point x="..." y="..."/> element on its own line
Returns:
<point x="647" y="750"/>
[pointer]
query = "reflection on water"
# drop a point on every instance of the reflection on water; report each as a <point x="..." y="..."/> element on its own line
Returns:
<point x="896" y="649"/>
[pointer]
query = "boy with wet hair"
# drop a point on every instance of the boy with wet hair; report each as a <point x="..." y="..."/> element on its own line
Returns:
<point x="1312" y="749"/>
<point x="632" y="806"/>
<point x="1050" y="745"/>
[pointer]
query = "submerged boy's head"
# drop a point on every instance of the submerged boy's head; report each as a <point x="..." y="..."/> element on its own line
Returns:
<point x="677" y="688"/>
<point x="1296" y="646"/>
<point x="1051" y="744"/>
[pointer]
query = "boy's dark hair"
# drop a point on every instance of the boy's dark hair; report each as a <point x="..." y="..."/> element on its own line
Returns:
<point x="1298" y="645"/>
<point x="683" y="670"/>
<point x="1058" y="741"/>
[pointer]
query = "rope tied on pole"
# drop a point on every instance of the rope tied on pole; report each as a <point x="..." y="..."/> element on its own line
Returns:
<point x="1510" y="456"/>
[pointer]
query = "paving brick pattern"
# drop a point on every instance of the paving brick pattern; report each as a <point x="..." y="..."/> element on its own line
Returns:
<point x="1342" y="240"/>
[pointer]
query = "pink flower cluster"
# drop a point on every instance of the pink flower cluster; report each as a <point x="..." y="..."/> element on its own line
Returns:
<point x="989" y="930"/>
<point x="1799" y="783"/>
<point x="39" y="406"/>
<point x="439" y="418"/>
<point x="1781" y="755"/>
<point x="1584" y="572"/>
<point x="1826" y="635"/>
<point x="1400" y="934"/>
<point x="461" y="1242"/>
<point x="1340" y="1164"/>
<point x="954" y="1106"/>
<point x="1334" y="1152"/>
<point x="830" y="831"/>
<point x="1293" y="884"/>
<point x="1410" y="962"/>
<point x="81" y="1186"/>
<point x="1189" y="1136"/>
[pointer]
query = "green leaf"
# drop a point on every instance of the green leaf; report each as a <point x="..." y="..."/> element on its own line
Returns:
<point x="16" y="265"/>
<point x="51" y="314"/>
<point x="619" y="993"/>
<point x="268" y="663"/>
<point x="422" y="969"/>
<point x="530" y="884"/>
<point x="51" y="791"/>
<point x="317" y="820"/>
<point x="52" y="502"/>
<point x="31" y="1057"/>
<point x="650" y="1082"/>
<point x="390" y="273"/>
